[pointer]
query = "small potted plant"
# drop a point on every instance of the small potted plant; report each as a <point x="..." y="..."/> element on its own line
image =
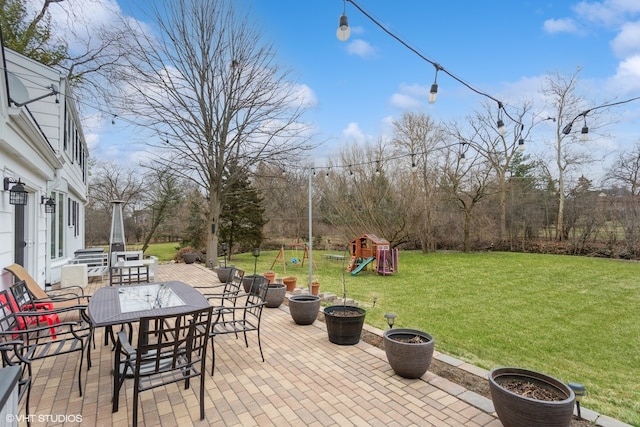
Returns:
<point x="344" y="322"/>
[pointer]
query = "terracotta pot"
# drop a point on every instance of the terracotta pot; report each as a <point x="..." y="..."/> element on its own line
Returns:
<point x="290" y="283"/>
<point x="408" y="359"/>
<point x="271" y="276"/>
<point x="344" y="323"/>
<point x="304" y="308"/>
<point x="514" y="409"/>
<point x="315" y="288"/>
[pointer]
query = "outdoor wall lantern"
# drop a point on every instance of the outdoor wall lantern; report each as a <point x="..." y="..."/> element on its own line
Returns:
<point x="17" y="194"/>
<point x="391" y="319"/>
<point x="49" y="204"/>
<point x="580" y="391"/>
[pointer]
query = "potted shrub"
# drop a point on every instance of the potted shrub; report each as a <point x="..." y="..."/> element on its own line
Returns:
<point x="409" y="351"/>
<point x="304" y="308"/>
<point x="524" y="397"/>
<point x="344" y="322"/>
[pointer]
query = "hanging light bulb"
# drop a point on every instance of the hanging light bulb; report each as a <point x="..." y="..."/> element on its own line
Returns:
<point x="343" y="32"/>
<point x="521" y="144"/>
<point x="414" y="167"/>
<point x="584" y="133"/>
<point x="433" y="93"/>
<point x="501" y="127"/>
<point x="328" y="170"/>
<point x="462" y="158"/>
<point x="377" y="167"/>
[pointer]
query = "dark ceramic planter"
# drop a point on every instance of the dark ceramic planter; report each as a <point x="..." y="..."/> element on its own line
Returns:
<point x="223" y="273"/>
<point x="344" y="329"/>
<point x="408" y="359"/>
<point x="189" y="258"/>
<point x="275" y="295"/>
<point x="515" y="410"/>
<point x="252" y="283"/>
<point x="304" y="308"/>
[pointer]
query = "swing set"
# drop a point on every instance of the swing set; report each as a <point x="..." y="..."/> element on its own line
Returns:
<point x="295" y="260"/>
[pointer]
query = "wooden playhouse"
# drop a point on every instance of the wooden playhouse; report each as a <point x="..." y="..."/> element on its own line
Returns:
<point x="370" y="250"/>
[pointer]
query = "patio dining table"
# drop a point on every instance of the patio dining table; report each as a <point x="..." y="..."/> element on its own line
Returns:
<point x="119" y="305"/>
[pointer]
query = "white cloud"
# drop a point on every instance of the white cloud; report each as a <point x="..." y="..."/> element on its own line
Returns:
<point x="409" y="97"/>
<point x="361" y="48"/>
<point x="607" y="12"/>
<point x="305" y="95"/>
<point x="627" y="77"/>
<point x="565" y="25"/>
<point x="353" y="133"/>
<point x="628" y="40"/>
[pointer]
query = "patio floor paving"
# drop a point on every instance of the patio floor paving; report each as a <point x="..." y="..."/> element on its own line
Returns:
<point x="304" y="381"/>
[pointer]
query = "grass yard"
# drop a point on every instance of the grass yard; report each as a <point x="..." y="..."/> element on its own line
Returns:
<point x="575" y="318"/>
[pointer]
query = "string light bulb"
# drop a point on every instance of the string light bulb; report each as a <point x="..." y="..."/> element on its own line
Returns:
<point x="584" y="133"/>
<point x="377" y="167"/>
<point x="501" y="127"/>
<point x="433" y="93"/>
<point x="521" y="144"/>
<point x="343" y="32"/>
<point x="414" y="167"/>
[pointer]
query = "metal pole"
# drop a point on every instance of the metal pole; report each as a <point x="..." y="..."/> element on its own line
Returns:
<point x="310" y="228"/>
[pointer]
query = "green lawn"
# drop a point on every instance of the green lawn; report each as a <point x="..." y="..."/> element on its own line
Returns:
<point x="575" y="318"/>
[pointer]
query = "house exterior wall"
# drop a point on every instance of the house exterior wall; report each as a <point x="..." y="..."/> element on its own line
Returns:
<point x="42" y="144"/>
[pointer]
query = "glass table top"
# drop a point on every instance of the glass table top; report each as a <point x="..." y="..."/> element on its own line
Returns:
<point x="147" y="297"/>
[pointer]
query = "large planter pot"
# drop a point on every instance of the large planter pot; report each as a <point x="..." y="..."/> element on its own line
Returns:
<point x="514" y="409"/>
<point x="290" y="283"/>
<point x="409" y="351"/>
<point x="251" y="283"/>
<point x="344" y="323"/>
<point x="189" y="258"/>
<point x="275" y="295"/>
<point x="223" y="273"/>
<point x="304" y="308"/>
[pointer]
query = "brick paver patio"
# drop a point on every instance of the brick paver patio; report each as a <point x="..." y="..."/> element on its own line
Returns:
<point x="304" y="381"/>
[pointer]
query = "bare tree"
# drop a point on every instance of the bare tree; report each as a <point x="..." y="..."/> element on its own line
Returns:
<point x="161" y="197"/>
<point x="568" y="151"/>
<point x="498" y="149"/>
<point x="418" y="138"/>
<point x="466" y="181"/>
<point x="207" y="84"/>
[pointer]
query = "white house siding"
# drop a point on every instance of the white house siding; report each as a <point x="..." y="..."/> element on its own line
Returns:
<point x="32" y="148"/>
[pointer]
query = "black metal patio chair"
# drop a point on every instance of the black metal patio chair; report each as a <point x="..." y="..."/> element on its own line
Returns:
<point x="241" y="318"/>
<point x="170" y="349"/>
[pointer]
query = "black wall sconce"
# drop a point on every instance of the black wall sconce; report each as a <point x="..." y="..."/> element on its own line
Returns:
<point x="17" y="194"/>
<point x="49" y="204"/>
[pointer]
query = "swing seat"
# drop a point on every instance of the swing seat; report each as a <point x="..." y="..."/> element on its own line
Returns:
<point x="294" y="260"/>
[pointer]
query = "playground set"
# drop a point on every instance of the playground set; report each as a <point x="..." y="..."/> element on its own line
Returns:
<point x="370" y="250"/>
<point x="295" y="258"/>
<point x="367" y="251"/>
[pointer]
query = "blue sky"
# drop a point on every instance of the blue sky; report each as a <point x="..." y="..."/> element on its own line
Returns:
<point x="504" y="48"/>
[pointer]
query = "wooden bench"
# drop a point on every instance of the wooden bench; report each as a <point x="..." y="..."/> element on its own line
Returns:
<point x="96" y="259"/>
